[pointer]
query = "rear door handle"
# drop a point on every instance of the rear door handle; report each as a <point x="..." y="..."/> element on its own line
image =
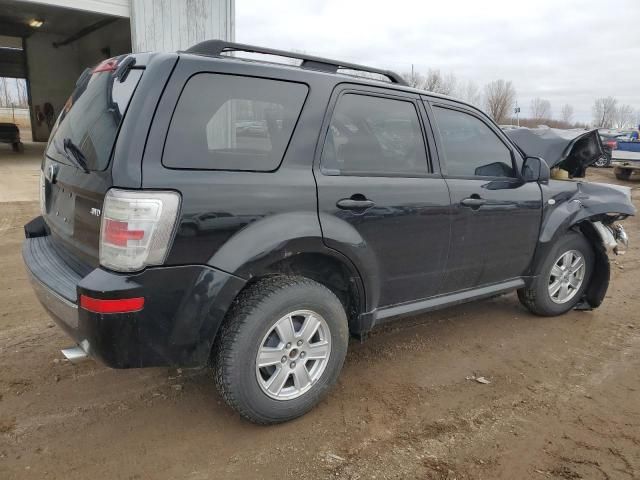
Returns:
<point x="354" y="204"/>
<point x="473" y="202"/>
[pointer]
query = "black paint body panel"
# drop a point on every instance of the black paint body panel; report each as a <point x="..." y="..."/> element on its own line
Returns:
<point x="417" y="249"/>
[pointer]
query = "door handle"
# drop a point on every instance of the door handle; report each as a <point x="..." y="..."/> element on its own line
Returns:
<point x="359" y="203"/>
<point x="473" y="202"/>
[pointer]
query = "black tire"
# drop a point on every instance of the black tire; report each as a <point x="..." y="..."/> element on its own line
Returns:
<point x="536" y="297"/>
<point x="622" y="173"/>
<point x="17" y="147"/>
<point x="252" y="316"/>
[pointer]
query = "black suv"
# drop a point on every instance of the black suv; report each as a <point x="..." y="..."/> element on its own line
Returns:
<point x="202" y="209"/>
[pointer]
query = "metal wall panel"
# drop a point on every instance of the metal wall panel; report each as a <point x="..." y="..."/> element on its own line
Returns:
<point x="171" y="25"/>
<point x="117" y="8"/>
<point x="12" y="63"/>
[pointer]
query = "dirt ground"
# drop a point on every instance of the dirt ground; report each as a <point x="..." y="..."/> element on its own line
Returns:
<point x="563" y="402"/>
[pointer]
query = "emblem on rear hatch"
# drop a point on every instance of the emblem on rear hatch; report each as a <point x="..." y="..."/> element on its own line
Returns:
<point x="95" y="212"/>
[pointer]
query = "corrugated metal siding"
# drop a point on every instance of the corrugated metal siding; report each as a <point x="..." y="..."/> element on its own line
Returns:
<point x="170" y="25"/>
<point x="118" y="8"/>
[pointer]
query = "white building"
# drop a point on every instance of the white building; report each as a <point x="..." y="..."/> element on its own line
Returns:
<point x="50" y="43"/>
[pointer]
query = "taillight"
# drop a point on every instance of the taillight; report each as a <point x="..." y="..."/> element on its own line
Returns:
<point x="109" y="65"/>
<point x="137" y="227"/>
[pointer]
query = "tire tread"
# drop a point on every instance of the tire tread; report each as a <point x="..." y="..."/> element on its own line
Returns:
<point x="248" y="301"/>
<point x="528" y="296"/>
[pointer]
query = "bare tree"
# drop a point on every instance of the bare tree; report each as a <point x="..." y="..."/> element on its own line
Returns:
<point x="566" y="114"/>
<point x="604" y="112"/>
<point x="499" y="97"/>
<point x="624" y="116"/>
<point x="469" y="92"/>
<point x="5" y="93"/>
<point x="434" y="81"/>
<point x="540" y="108"/>
<point x="438" y="83"/>
<point x="21" y="89"/>
<point x="414" y="79"/>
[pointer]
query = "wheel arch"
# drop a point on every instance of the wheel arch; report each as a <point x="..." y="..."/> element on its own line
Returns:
<point x="292" y="244"/>
<point x="599" y="282"/>
<point x="332" y="270"/>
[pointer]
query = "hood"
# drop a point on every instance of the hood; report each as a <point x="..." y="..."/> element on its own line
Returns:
<point x="570" y="150"/>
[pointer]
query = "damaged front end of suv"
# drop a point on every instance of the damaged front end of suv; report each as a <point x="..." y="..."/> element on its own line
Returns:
<point x="572" y="203"/>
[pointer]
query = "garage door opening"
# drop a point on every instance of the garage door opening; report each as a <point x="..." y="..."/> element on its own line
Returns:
<point x="14" y="105"/>
<point x="44" y="47"/>
<point x="14" y="97"/>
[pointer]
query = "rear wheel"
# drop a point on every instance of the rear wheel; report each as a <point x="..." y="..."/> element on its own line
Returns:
<point x="280" y="349"/>
<point x="563" y="278"/>
<point x="622" y="173"/>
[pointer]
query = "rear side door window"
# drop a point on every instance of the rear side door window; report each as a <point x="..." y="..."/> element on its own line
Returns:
<point x="471" y="148"/>
<point x="226" y="122"/>
<point x="374" y="136"/>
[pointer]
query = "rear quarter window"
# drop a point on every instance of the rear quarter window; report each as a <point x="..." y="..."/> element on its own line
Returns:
<point x="227" y="122"/>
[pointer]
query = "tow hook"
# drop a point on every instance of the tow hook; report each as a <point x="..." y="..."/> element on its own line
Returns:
<point x="613" y="237"/>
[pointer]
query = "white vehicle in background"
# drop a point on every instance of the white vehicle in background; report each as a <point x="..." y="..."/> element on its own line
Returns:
<point x="625" y="159"/>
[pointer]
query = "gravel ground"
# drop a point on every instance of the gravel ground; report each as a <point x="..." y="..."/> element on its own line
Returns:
<point x="563" y="399"/>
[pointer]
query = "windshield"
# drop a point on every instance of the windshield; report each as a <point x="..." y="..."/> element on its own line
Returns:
<point x="91" y="117"/>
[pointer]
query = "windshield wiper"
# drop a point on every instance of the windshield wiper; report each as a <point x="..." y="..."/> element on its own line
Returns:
<point x="74" y="153"/>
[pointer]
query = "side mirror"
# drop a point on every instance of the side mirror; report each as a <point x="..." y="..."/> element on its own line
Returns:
<point x="535" y="169"/>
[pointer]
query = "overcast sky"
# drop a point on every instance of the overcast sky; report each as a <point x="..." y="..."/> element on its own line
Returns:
<point x="564" y="51"/>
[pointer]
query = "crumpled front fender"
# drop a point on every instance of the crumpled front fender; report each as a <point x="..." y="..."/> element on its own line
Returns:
<point x="575" y="205"/>
<point x="568" y="203"/>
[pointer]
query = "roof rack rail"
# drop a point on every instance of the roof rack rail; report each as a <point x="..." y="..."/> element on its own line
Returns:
<point x="217" y="47"/>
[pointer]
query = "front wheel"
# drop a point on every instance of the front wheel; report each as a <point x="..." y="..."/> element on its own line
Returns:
<point x="563" y="278"/>
<point x="281" y="348"/>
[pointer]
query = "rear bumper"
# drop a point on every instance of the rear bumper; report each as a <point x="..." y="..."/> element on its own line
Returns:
<point x="183" y="309"/>
<point x="63" y="311"/>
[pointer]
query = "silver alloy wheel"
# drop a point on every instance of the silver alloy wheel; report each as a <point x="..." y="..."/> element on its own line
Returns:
<point x="601" y="162"/>
<point x="566" y="276"/>
<point x="293" y="355"/>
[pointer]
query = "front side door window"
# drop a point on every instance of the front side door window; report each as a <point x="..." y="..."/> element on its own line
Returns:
<point x="471" y="148"/>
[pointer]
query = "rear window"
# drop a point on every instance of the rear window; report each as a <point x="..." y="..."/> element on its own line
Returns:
<point x="91" y="117"/>
<point x="225" y="122"/>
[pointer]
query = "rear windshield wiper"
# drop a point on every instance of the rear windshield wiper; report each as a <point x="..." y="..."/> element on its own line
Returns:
<point x="74" y="153"/>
